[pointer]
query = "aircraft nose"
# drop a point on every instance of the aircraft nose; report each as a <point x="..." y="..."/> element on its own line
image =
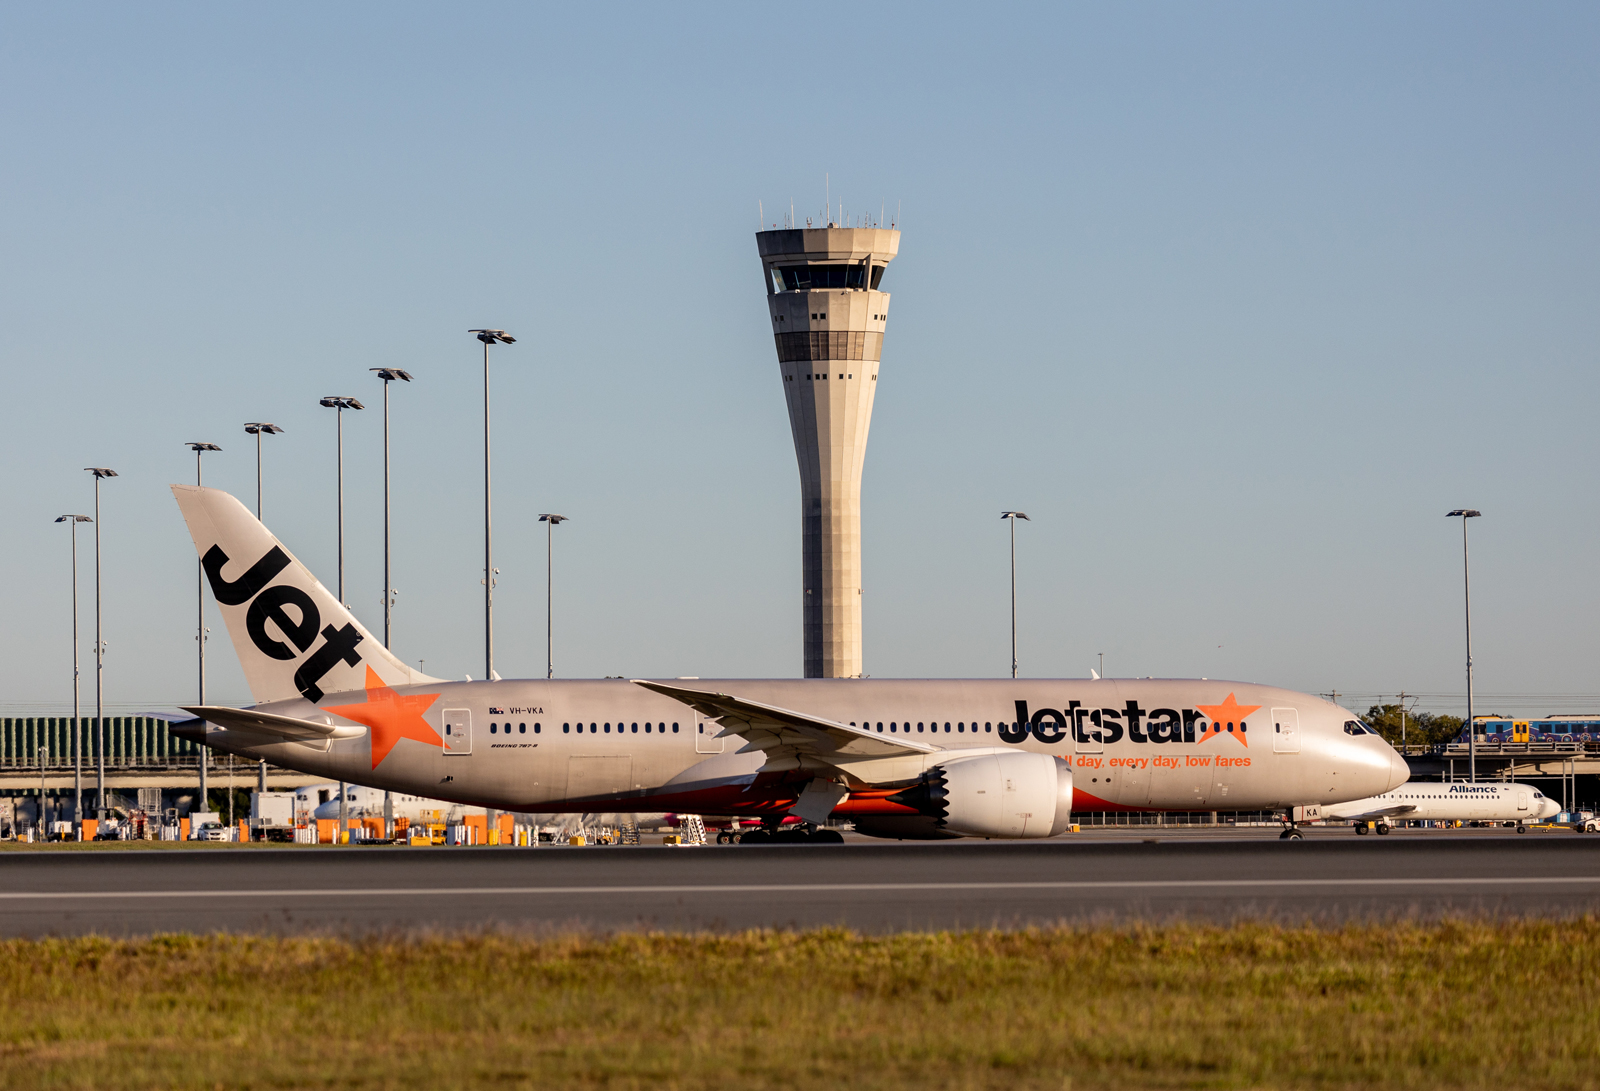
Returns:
<point x="1399" y="771"/>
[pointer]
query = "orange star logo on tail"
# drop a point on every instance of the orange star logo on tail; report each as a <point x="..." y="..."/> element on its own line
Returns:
<point x="1229" y="714"/>
<point x="390" y="717"/>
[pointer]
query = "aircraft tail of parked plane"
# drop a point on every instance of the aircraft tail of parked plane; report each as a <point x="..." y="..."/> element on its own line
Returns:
<point x="277" y="611"/>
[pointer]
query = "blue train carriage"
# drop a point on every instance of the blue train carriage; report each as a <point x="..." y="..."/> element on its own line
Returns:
<point x="1567" y="729"/>
<point x="1499" y="732"/>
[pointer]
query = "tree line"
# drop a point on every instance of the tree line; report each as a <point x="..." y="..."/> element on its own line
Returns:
<point x="1421" y="728"/>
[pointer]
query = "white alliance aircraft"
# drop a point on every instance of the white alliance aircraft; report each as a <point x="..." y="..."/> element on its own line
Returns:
<point x="1448" y="802"/>
<point x="900" y="758"/>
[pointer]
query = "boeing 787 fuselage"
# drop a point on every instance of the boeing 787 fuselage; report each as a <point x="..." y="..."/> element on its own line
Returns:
<point x="901" y="758"/>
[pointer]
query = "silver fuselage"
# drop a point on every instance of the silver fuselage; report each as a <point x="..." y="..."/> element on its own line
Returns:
<point x="612" y="745"/>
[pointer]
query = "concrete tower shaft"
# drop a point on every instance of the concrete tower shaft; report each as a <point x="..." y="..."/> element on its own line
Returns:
<point x="828" y="318"/>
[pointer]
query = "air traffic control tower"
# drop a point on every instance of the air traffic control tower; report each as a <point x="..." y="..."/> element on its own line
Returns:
<point x="827" y="320"/>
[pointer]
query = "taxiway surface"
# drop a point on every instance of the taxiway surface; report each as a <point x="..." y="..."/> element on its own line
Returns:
<point x="873" y="887"/>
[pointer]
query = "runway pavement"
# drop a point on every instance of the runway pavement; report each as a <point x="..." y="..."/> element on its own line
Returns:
<point x="869" y="886"/>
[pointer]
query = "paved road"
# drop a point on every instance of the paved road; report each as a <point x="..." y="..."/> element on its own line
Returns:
<point x="872" y="887"/>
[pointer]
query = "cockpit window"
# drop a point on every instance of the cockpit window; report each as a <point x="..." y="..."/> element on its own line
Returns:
<point x="1356" y="727"/>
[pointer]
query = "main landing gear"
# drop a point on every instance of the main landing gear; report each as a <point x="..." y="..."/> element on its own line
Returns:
<point x="804" y="834"/>
<point x="1382" y="827"/>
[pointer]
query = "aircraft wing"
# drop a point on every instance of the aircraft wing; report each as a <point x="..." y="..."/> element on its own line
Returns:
<point x="789" y="739"/>
<point x="1399" y="810"/>
<point x="285" y="728"/>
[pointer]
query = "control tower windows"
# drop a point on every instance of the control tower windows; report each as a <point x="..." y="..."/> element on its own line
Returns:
<point x="811" y="278"/>
<point x="829" y="345"/>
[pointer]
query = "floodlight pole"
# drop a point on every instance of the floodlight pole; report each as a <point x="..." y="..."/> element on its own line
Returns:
<point x="77" y="725"/>
<point x="488" y="337"/>
<point x="99" y="667"/>
<point x="338" y="427"/>
<point x="388" y="581"/>
<point x="1012" y="517"/>
<point x="255" y="428"/>
<point x="387" y="375"/>
<point x="200" y="449"/>
<point x="1472" y="724"/>
<point x="488" y="536"/>
<point x="1466" y="575"/>
<point x="99" y="472"/>
<point x="339" y="404"/>
<point x="549" y="521"/>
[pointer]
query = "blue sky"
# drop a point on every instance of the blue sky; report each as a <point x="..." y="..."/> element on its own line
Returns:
<point x="1235" y="300"/>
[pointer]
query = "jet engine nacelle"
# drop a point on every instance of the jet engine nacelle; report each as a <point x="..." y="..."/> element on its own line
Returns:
<point x="996" y="795"/>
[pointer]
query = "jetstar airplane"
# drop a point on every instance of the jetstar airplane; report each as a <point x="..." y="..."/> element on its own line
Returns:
<point x="1450" y="802"/>
<point x="905" y="759"/>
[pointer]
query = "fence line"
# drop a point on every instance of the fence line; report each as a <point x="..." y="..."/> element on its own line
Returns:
<point x="131" y="742"/>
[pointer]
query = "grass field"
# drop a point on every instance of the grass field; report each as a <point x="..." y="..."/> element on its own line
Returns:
<point x="1256" y="1006"/>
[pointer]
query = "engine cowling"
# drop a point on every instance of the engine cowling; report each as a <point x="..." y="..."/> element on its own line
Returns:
<point x="1012" y="795"/>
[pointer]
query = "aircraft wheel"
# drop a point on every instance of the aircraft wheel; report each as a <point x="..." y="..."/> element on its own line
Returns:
<point x="1294" y="835"/>
<point x="1522" y="829"/>
<point x="1383" y="831"/>
<point x="722" y="837"/>
<point x="1361" y="830"/>
<point x="827" y="837"/>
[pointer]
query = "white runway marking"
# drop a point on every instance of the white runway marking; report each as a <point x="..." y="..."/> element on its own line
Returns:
<point x="1066" y="886"/>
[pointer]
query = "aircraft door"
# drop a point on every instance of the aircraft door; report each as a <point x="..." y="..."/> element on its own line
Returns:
<point x="457" y="731"/>
<point x="1522" y="799"/>
<point x="705" y="736"/>
<point x="1285" y="731"/>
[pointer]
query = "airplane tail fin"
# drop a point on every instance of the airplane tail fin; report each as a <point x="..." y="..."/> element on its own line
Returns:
<point x="293" y="636"/>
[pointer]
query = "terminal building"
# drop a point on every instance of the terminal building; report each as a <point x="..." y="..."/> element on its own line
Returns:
<point x="828" y="318"/>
